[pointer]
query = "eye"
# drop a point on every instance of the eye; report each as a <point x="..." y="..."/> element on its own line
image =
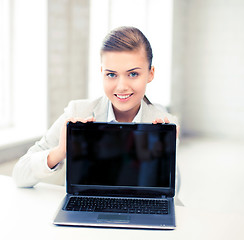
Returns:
<point x="133" y="74"/>
<point x="111" y="75"/>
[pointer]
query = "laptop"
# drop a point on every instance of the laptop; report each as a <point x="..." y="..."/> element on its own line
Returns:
<point x="119" y="175"/>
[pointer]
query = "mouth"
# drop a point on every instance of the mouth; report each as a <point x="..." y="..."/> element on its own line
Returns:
<point x="123" y="97"/>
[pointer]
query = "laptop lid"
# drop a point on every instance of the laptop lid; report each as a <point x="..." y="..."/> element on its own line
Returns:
<point x="121" y="159"/>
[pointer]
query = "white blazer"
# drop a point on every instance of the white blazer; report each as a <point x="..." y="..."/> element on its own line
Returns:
<point x="32" y="167"/>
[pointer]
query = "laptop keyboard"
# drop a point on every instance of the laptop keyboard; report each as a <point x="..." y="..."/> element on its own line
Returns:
<point x="118" y="205"/>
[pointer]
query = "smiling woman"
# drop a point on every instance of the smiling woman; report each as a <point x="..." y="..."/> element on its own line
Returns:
<point x="126" y="86"/>
<point x="126" y="57"/>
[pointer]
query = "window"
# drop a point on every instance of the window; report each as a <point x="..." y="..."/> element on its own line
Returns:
<point x="154" y="19"/>
<point x="23" y="69"/>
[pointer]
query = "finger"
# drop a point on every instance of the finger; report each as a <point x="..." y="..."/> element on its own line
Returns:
<point x="69" y="120"/>
<point x="158" y="120"/>
<point x="177" y="131"/>
<point x="91" y="119"/>
<point x="166" y="120"/>
<point x="74" y="120"/>
<point x="80" y="120"/>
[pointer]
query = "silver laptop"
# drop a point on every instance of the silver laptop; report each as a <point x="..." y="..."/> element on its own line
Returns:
<point x="119" y="175"/>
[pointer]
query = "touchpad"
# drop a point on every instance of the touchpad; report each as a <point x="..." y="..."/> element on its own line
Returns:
<point x="113" y="218"/>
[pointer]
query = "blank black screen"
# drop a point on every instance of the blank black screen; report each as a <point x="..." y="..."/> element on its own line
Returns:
<point x="120" y="157"/>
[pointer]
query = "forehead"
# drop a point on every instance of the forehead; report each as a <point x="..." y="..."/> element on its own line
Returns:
<point x="124" y="60"/>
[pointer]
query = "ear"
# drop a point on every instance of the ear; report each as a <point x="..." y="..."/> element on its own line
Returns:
<point x="151" y="74"/>
<point x="101" y="69"/>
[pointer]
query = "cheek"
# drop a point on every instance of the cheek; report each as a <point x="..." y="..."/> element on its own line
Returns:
<point x="141" y="85"/>
<point x="107" y="85"/>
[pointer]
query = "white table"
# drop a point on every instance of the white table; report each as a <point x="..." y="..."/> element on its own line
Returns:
<point x="28" y="214"/>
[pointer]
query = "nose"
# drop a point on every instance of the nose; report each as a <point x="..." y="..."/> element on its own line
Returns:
<point x="122" y="84"/>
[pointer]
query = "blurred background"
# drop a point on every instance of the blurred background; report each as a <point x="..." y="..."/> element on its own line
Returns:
<point x="49" y="55"/>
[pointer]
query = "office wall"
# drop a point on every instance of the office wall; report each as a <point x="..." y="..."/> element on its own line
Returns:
<point x="68" y="41"/>
<point x="207" y="67"/>
<point x="208" y="72"/>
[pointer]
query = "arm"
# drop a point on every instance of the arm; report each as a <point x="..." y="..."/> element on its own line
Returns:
<point x="46" y="157"/>
<point x="33" y="166"/>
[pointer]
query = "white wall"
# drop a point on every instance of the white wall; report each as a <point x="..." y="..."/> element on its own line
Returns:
<point x="68" y="44"/>
<point x="25" y="76"/>
<point x="208" y="72"/>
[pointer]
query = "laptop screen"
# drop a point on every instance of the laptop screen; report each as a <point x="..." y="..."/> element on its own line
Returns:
<point x="121" y="155"/>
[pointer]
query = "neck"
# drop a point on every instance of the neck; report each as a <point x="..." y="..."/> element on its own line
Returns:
<point x="121" y="118"/>
<point x="127" y="116"/>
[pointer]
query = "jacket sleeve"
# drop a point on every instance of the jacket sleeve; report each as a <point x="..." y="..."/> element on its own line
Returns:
<point x="32" y="167"/>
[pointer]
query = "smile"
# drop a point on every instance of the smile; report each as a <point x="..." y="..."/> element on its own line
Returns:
<point x="123" y="97"/>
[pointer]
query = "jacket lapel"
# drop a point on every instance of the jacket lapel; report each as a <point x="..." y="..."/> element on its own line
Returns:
<point x="149" y="113"/>
<point x="152" y="112"/>
<point x="100" y="111"/>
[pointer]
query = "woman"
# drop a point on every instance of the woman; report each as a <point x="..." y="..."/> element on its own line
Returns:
<point x="126" y="67"/>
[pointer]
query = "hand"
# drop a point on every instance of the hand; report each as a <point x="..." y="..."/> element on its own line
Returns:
<point x="166" y="120"/>
<point x="62" y="139"/>
<point x="159" y="120"/>
<point x="58" y="153"/>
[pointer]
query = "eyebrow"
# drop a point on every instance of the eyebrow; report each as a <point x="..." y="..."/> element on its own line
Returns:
<point x="133" y="69"/>
<point x="108" y="70"/>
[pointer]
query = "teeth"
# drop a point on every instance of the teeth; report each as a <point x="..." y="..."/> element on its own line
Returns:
<point x="123" y="96"/>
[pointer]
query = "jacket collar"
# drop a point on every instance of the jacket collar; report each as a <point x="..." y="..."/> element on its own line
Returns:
<point x="149" y="112"/>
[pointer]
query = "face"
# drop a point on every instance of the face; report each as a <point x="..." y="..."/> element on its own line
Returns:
<point x="125" y="77"/>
